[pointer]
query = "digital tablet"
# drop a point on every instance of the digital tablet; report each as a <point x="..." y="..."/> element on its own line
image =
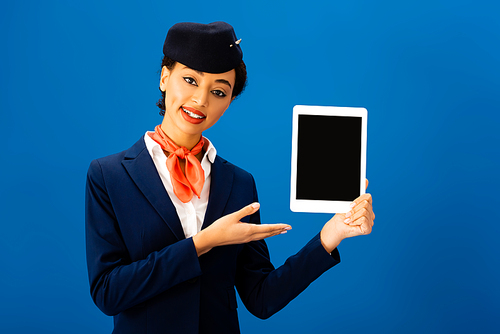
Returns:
<point x="328" y="158"/>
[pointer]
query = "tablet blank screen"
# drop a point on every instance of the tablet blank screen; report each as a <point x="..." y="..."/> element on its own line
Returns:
<point x="328" y="157"/>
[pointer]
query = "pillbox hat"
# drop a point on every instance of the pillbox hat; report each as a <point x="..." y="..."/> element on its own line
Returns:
<point x="211" y="48"/>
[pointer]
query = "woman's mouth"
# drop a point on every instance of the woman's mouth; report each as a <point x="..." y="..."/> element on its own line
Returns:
<point x="192" y="115"/>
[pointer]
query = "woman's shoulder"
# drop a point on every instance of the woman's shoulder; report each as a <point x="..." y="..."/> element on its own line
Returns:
<point x="114" y="160"/>
<point x="238" y="171"/>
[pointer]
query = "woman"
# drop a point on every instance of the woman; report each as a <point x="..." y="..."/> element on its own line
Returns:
<point x="172" y="228"/>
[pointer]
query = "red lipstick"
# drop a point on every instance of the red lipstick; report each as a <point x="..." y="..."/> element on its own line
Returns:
<point x="190" y="115"/>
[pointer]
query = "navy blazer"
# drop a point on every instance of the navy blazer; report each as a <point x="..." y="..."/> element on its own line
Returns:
<point x="145" y="273"/>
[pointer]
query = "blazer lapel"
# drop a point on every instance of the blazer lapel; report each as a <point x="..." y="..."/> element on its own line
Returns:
<point x="220" y="188"/>
<point x="142" y="170"/>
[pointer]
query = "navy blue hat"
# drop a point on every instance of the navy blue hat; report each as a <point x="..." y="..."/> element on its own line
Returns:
<point x="211" y="48"/>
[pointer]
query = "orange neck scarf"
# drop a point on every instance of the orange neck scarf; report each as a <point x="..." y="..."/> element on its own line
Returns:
<point x="184" y="185"/>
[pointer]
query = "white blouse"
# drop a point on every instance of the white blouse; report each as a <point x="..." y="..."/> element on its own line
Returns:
<point x="192" y="213"/>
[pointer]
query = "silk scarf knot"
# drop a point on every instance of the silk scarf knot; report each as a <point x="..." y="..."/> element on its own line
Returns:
<point x="185" y="185"/>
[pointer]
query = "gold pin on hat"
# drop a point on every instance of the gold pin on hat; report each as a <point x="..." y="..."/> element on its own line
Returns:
<point x="237" y="43"/>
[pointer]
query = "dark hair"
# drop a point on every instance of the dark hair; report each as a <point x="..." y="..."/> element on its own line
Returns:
<point x="240" y="81"/>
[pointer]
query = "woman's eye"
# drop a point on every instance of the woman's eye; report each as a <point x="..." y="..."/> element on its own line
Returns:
<point x="190" y="80"/>
<point x="219" y="93"/>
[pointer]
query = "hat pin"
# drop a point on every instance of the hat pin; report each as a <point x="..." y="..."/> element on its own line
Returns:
<point x="237" y="43"/>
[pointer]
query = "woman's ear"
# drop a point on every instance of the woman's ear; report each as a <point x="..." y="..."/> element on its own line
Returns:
<point x="165" y="74"/>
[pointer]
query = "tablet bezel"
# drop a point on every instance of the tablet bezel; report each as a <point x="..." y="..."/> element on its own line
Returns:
<point x="323" y="206"/>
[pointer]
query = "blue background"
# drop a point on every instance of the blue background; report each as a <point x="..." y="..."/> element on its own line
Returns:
<point x="79" y="80"/>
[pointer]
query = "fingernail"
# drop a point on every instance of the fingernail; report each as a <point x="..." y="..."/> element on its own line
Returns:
<point x="348" y="214"/>
<point x="347" y="221"/>
<point x="288" y="228"/>
<point x="283" y="232"/>
<point x="353" y="204"/>
<point x="255" y="205"/>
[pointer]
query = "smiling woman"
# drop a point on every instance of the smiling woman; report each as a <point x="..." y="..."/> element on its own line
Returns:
<point x="172" y="228"/>
<point x="239" y="84"/>
<point x="194" y="101"/>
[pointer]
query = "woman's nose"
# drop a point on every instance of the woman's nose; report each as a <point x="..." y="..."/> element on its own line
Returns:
<point x="200" y="97"/>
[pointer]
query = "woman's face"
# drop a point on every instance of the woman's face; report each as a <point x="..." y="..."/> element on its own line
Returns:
<point x="194" y="101"/>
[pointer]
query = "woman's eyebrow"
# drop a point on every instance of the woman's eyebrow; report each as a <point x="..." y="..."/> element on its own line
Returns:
<point x="224" y="82"/>
<point x="218" y="80"/>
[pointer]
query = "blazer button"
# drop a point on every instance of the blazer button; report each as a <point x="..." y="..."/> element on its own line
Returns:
<point x="193" y="280"/>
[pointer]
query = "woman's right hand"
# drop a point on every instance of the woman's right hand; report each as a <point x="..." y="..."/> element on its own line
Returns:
<point x="229" y="230"/>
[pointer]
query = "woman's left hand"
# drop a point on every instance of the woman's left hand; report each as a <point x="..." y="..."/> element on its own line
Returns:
<point x="230" y="230"/>
<point x="358" y="221"/>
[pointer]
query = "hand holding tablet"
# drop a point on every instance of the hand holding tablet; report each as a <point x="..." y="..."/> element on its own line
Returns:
<point x="357" y="221"/>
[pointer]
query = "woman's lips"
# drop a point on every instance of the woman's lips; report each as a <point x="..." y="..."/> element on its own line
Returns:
<point x="192" y="115"/>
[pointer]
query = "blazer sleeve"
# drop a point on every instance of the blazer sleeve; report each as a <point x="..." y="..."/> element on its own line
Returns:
<point x="117" y="283"/>
<point x="265" y="290"/>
